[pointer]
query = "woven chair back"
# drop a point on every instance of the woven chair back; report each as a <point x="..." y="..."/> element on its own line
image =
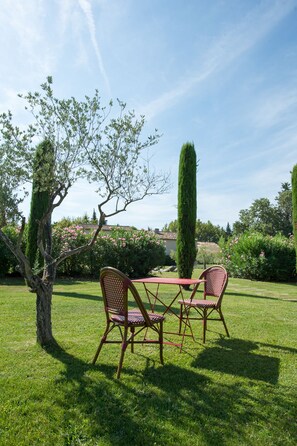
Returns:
<point x="216" y="281"/>
<point x="115" y="289"/>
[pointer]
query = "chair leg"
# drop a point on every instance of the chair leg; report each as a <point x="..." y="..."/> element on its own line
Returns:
<point x="187" y="323"/>
<point x="223" y="320"/>
<point x="161" y="342"/>
<point x="204" y="324"/>
<point x="132" y="329"/>
<point x="180" y="318"/>
<point x="103" y="339"/>
<point x="123" y="349"/>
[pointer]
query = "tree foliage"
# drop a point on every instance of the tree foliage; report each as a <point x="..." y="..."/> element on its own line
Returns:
<point x="43" y="164"/>
<point x="204" y="232"/>
<point x="266" y="218"/>
<point x="257" y="256"/>
<point x="170" y="227"/>
<point x="187" y="210"/>
<point x="207" y="232"/>
<point x="89" y="142"/>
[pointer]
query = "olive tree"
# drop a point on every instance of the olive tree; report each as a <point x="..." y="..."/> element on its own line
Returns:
<point x="88" y="142"/>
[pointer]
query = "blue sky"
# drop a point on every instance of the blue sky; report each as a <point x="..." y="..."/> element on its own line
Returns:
<point x="219" y="73"/>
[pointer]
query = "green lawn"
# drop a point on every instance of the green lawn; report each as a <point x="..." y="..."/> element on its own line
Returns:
<point x="237" y="391"/>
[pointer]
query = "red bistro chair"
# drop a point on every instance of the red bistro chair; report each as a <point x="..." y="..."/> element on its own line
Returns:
<point x="216" y="280"/>
<point x="115" y="289"/>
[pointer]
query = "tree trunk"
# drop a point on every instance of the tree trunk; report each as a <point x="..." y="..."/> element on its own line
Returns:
<point x="44" y="314"/>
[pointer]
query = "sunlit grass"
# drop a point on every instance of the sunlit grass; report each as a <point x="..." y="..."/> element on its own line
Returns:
<point x="237" y="391"/>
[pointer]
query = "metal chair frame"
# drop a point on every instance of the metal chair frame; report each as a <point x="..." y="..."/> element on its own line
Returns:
<point x="216" y="280"/>
<point x="116" y="287"/>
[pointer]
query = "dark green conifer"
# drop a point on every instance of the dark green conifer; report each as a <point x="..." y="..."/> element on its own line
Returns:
<point x="42" y="172"/>
<point x="187" y="210"/>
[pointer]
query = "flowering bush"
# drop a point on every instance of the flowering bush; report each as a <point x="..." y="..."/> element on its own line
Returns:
<point x="260" y="257"/>
<point x="66" y="238"/>
<point x="135" y="253"/>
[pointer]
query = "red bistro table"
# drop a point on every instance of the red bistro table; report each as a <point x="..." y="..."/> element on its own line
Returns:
<point x="153" y="296"/>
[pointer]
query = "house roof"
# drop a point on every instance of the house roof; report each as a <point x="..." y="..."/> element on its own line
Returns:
<point x="166" y="235"/>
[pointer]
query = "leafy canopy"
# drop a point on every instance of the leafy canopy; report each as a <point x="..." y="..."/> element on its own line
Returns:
<point x="88" y="142"/>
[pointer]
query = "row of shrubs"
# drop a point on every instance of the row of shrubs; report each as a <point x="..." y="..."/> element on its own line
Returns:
<point x="260" y="257"/>
<point x="250" y="256"/>
<point x="133" y="252"/>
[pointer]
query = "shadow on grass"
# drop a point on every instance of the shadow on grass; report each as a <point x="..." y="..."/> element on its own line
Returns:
<point x="131" y="303"/>
<point x="237" y="357"/>
<point x="165" y="405"/>
<point x="258" y="296"/>
<point x="77" y="295"/>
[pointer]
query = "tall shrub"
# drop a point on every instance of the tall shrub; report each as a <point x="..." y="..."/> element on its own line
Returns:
<point x="260" y="257"/>
<point x="67" y="238"/>
<point x="43" y="161"/>
<point x="135" y="253"/>
<point x="187" y="210"/>
<point x="294" y="202"/>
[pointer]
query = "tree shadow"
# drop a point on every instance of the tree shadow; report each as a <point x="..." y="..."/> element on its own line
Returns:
<point x="99" y="298"/>
<point x="101" y="400"/>
<point x="237" y="357"/>
<point x="258" y="296"/>
<point x="160" y="405"/>
<point x="77" y="295"/>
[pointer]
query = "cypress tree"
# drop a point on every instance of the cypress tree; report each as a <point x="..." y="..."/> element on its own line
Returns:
<point x="294" y="203"/>
<point x="42" y="171"/>
<point x="187" y="211"/>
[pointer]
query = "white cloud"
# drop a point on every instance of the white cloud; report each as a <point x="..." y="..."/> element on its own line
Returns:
<point x="239" y="39"/>
<point x="87" y="9"/>
<point x="275" y="107"/>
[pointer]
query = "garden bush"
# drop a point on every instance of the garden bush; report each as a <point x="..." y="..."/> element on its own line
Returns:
<point x="67" y="238"/>
<point x="260" y="257"/>
<point x="135" y="253"/>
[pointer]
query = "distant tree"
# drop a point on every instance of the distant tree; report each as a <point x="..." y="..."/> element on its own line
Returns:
<point x="94" y="217"/>
<point x="43" y="164"/>
<point x="266" y="218"/>
<point x="228" y="230"/>
<point x="9" y="199"/>
<point x="204" y="232"/>
<point x="187" y="210"/>
<point x="170" y="227"/>
<point x="284" y="210"/>
<point x="294" y="205"/>
<point x="261" y="217"/>
<point x="86" y="144"/>
<point x="207" y="232"/>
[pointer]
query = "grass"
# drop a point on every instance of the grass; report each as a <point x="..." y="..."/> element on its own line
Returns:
<point x="237" y="391"/>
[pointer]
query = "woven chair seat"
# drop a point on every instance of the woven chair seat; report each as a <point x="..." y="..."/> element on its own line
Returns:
<point x="198" y="303"/>
<point x="136" y="318"/>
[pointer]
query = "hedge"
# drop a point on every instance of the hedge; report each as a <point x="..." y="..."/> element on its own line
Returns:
<point x="260" y="257"/>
